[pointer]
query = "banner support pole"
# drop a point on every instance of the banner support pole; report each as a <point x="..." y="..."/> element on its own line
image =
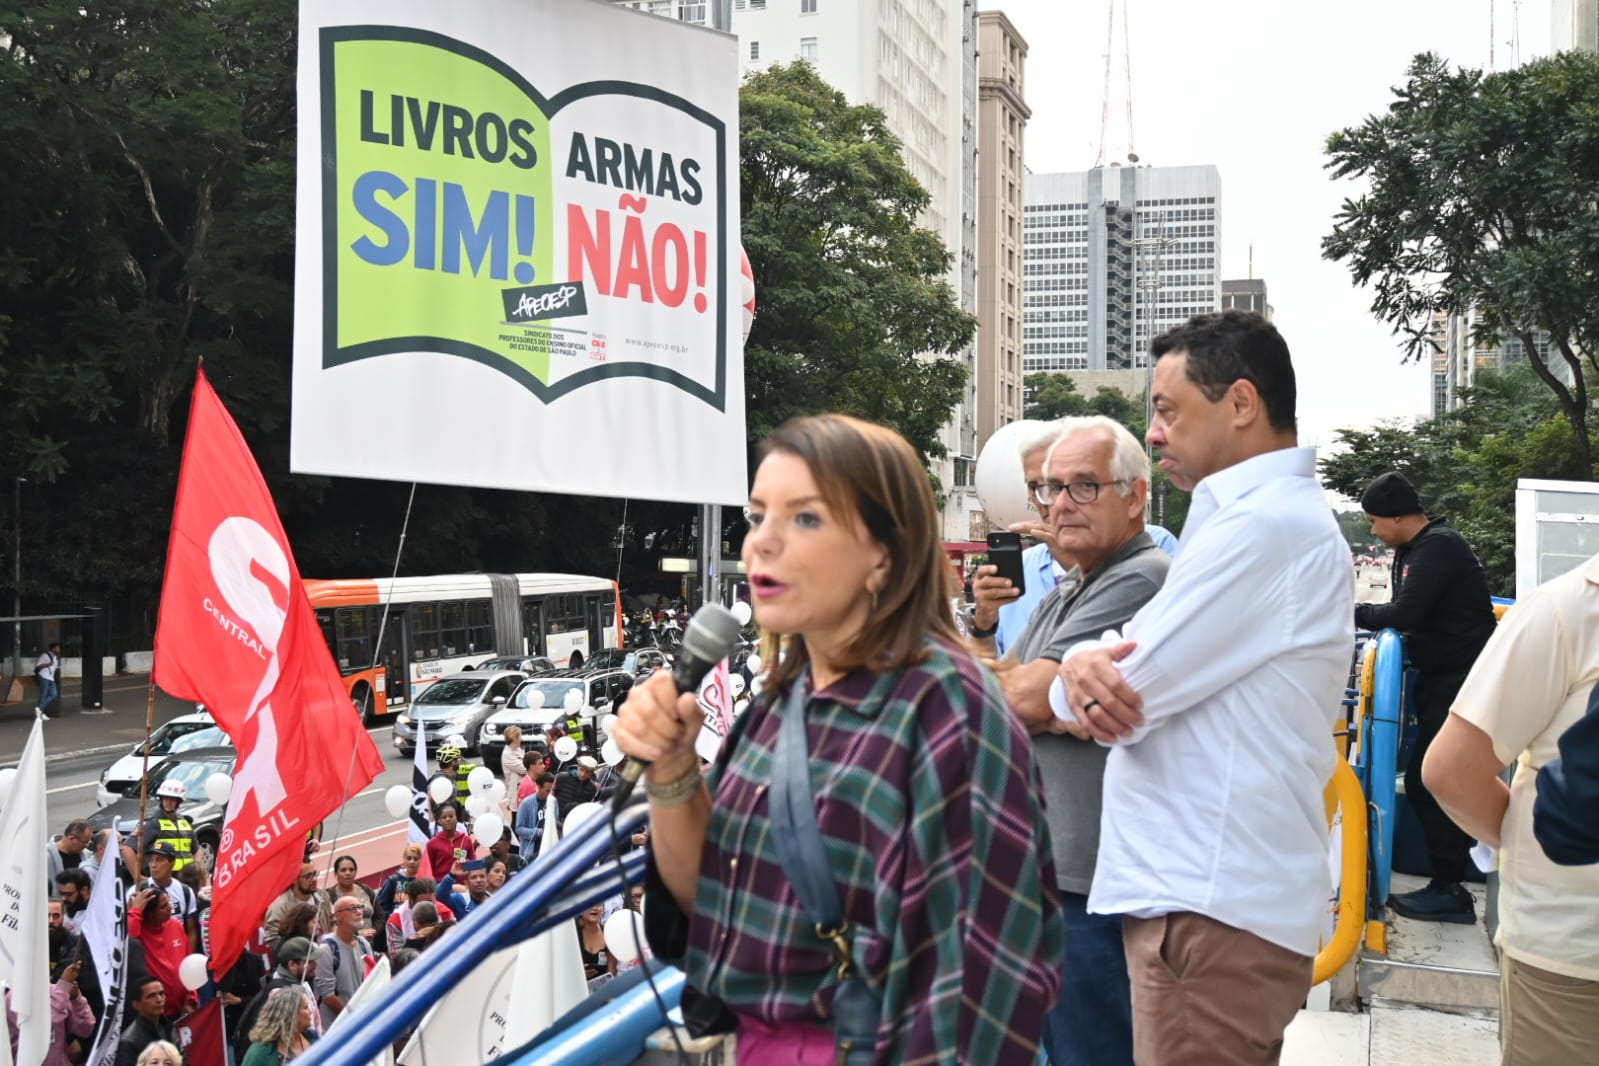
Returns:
<point x="710" y="552"/>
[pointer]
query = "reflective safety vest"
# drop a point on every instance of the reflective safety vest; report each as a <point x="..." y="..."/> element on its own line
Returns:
<point x="462" y="789"/>
<point x="178" y="832"/>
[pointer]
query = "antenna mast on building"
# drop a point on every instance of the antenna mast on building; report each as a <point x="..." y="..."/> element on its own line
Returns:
<point x="1127" y="64"/>
<point x="1490" y="36"/>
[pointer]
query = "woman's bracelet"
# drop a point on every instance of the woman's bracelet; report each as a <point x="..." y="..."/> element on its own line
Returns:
<point x="674" y="793"/>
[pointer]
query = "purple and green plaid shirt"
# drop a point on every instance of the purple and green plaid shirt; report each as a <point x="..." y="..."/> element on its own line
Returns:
<point x="928" y="798"/>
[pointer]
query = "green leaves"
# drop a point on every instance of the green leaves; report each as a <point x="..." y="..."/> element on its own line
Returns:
<point x="1482" y="194"/>
<point x="853" y="313"/>
<point x="1466" y="466"/>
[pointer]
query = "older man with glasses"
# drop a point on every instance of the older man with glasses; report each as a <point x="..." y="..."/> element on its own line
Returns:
<point x="342" y="965"/>
<point x="1094" y="482"/>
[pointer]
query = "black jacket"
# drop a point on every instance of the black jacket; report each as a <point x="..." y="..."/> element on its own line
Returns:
<point x="1565" y="816"/>
<point x="140" y="1034"/>
<point x="1440" y="601"/>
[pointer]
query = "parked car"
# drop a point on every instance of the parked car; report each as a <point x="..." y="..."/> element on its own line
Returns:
<point x="455" y="703"/>
<point x="186" y="731"/>
<point x="192" y="768"/>
<point x="601" y="690"/>
<point x="527" y="664"/>
<point x="640" y="662"/>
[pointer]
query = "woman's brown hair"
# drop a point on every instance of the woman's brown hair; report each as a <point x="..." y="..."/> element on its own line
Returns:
<point x="866" y="470"/>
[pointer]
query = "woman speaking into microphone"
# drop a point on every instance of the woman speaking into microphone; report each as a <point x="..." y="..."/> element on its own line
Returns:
<point x="864" y="871"/>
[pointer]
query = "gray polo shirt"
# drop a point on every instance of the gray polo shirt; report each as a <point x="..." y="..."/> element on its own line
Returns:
<point x="1073" y="770"/>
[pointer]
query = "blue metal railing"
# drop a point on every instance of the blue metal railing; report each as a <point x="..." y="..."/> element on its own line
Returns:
<point x="554" y="889"/>
<point x="1381" y="737"/>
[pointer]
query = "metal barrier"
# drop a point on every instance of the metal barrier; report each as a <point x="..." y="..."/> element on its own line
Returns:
<point x="536" y="899"/>
<point x="1344" y="794"/>
<point x="1380" y="755"/>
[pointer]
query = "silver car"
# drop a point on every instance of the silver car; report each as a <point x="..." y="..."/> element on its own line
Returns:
<point x="455" y="704"/>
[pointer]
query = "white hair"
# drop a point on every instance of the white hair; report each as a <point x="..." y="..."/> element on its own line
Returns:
<point x="1038" y="436"/>
<point x="1128" y="461"/>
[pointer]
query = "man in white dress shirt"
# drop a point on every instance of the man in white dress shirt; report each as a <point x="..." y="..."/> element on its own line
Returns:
<point x="1218" y="702"/>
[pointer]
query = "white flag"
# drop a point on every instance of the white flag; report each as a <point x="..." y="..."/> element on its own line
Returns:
<point x="548" y="980"/>
<point x="104" y="927"/>
<point x="468" y="1025"/>
<point x="368" y="996"/>
<point x="421" y="807"/>
<point x="24" y="947"/>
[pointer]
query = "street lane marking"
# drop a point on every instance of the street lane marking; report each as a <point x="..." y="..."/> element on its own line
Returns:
<point x="69" y="788"/>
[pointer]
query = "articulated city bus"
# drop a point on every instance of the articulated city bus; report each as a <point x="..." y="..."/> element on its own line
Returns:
<point x="437" y="625"/>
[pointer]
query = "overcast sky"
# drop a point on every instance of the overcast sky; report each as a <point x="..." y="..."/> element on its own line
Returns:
<point x="1255" y="87"/>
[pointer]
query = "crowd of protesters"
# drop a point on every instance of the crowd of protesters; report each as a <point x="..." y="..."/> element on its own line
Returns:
<point x="318" y="940"/>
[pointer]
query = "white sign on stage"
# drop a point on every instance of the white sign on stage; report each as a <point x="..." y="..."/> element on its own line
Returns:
<point x="518" y="255"/>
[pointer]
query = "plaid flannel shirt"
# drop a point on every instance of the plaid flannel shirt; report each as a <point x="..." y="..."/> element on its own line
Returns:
<point x="929" y="801"/>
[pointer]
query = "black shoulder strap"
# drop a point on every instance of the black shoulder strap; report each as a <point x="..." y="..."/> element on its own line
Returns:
<point x="800" y="848"/>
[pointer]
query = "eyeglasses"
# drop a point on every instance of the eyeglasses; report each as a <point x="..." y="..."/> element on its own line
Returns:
<point x="1081" y="492"/>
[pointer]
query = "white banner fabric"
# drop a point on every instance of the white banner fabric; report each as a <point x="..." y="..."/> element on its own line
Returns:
<point x="105" y="931"/>
<point x="518" y="260"/>
<point x="24" y="947"/>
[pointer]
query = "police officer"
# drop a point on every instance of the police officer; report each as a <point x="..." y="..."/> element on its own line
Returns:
<point x="1441" y="605"/>
<point x="452" y="767"/>
<point x="168" y="827"/>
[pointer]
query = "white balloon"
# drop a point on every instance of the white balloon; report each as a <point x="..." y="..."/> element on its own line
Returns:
<point x="440" y="789"/>
<point x="192" y="972"/>
<point x="757" y="684"/>
<point x="740" y="707"/>
<point x="741" y="612"/>
<point x="535" y="699"/>
<point x="611" y="753"/>
<point x="488" y="829"/>
<point x="738" y="684"/>
<point x="607" y="723"/>
<point x="496" y="792"/>
<point x="7" y="775"/>
<point x="622" y="937"/>
<point x="398" y="801"/>
<point x="218" y="787"/>
<point x="1001" y="485"/>
<point x="479" y="779"/>
<point x="754" y="663"/>
<point x="477" y="804"/>
<point x="573" y="700"/>
<point x="565" y="749"/>
<point x="580" y="814"/>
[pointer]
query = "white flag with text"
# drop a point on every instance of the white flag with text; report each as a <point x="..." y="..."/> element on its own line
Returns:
<point x="24" y="947"/>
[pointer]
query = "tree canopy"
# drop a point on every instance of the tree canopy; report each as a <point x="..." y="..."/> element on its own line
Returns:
<point x="1480" y="195"/>
<point x="854" y="312"/>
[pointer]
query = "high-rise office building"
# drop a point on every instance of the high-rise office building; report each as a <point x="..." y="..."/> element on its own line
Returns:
<point x="917" y="61"/>
<point x="1574" y="25"/>
<point x="1114" y="256"/>
<point x="1002" y="123"/>
<point x="1246" y="294"/>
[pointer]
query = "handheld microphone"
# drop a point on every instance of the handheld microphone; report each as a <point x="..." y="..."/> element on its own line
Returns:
<point x="709" y="638"/>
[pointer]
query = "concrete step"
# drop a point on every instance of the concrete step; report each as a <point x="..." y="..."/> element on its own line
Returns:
<point x="1391" y="1036"/>
<point x="1433" y="964"/>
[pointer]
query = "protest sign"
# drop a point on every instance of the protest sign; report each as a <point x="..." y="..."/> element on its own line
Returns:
<point x="518" y="260"/>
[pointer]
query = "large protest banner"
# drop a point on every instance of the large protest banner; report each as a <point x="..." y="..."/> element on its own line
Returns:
<point x="518" y="261"/>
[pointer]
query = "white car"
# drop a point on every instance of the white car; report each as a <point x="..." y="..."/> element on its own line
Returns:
<point x="183" y="733"/>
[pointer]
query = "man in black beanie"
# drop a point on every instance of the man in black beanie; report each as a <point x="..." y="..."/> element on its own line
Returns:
<point x="1441" y="605"/>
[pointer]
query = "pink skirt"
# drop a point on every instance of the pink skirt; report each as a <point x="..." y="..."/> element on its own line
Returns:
<point x="792" y="1044"/>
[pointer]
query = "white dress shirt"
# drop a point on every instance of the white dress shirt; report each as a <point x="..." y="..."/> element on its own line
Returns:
<point x="1214" y="805"/>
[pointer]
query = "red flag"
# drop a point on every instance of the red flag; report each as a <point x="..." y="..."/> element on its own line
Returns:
<point x="238" y="634"/>
<point x="200" y="1036"/>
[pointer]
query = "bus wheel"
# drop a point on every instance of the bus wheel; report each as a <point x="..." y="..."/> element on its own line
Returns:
<point x="576" y="660"/>
<point x="361" y="700"/>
